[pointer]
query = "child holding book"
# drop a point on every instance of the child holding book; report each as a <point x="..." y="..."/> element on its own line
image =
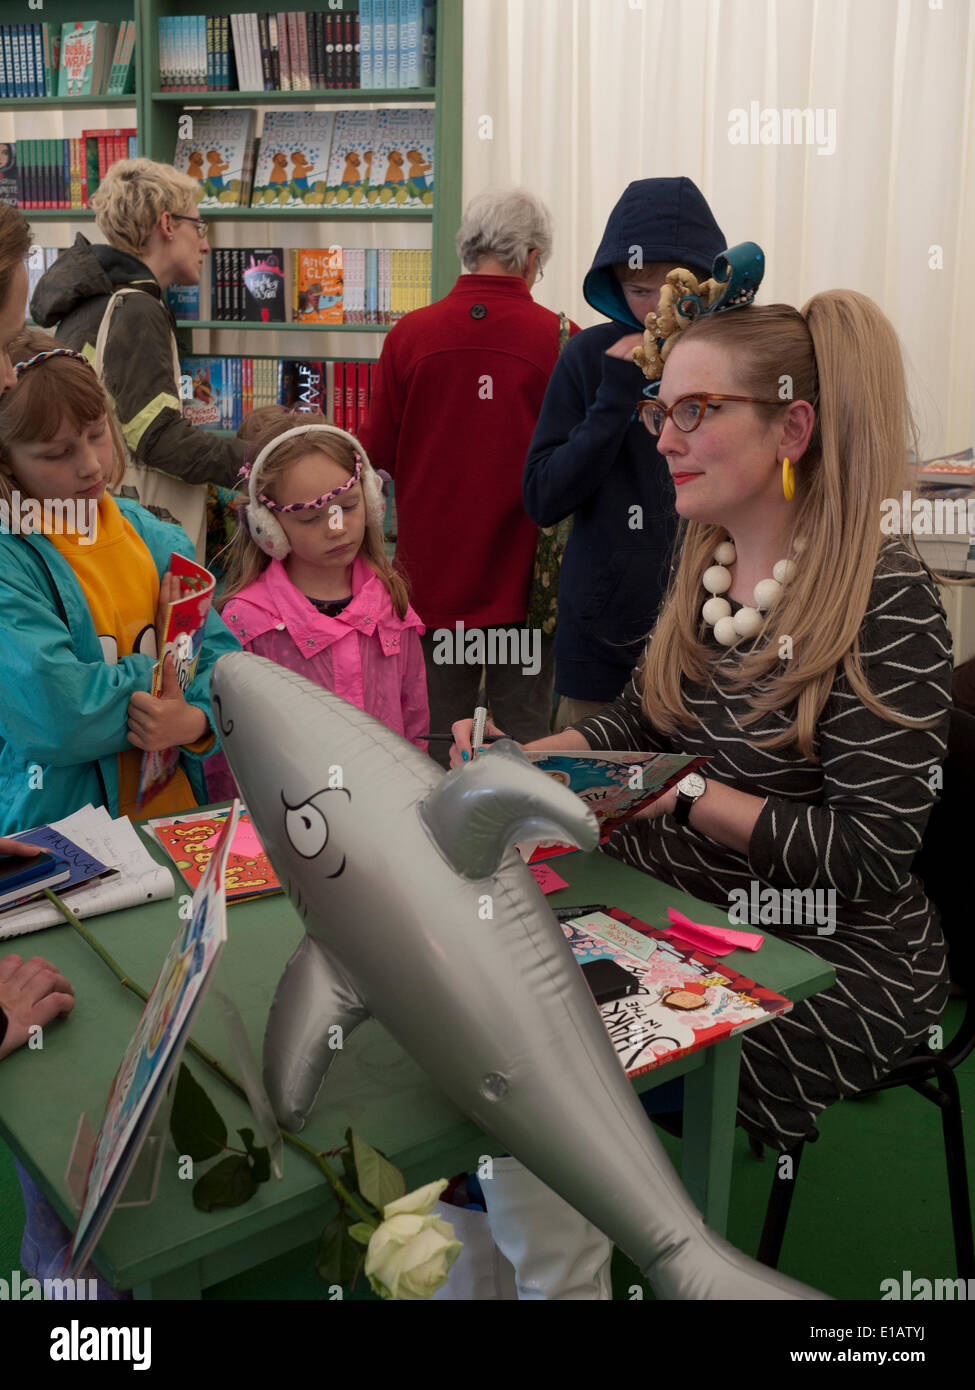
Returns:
<point x="83" y="591"/>
<point x="309" y="585"/>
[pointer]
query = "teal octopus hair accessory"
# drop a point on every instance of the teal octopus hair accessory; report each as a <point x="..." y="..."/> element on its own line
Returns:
<point x="735" y="277"/>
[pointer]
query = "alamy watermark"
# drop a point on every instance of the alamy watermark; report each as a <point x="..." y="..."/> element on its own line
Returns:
<point x="489" y="646"/>
<point x="58" y="516"/>
<point x="927" y="516"/>
<point x="793" y="125"/>
<point x="756" y="906"/>
<point x="20" y="1288"/>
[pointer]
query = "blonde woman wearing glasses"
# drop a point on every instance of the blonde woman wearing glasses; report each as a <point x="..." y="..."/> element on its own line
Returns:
<point x="110" y="303"/>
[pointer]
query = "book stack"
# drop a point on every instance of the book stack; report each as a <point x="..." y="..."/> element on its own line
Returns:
<point x="398" y="43"/>
<point x="218" y="152"/>
<point x="388" y="44"/>
<point x="81" y="58"/>
<point x="943" y="513"/>
<point x="355" y="158"/>
<point x="64" y="173"/>
<point x="224" y="390"/>
<point x="248" y="285"/>
<point x="380" y="286"/>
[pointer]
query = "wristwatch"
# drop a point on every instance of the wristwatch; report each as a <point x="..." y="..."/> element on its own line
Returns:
<point x="689" y="789"/>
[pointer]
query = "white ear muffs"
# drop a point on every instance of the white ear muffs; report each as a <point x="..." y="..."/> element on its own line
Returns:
<point x="267" y="531"/>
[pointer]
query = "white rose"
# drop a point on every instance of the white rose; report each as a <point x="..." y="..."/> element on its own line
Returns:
<point x="410" y="1255"/>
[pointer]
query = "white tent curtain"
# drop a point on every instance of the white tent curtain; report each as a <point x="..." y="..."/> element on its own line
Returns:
<point x="585" y="96"/>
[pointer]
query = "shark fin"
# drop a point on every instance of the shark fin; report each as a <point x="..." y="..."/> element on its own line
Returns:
<point x="314" y="997"/>
<point x="478" y="810"/>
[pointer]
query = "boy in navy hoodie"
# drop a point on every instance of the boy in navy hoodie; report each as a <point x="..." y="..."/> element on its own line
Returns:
<point x="590" y="456"/>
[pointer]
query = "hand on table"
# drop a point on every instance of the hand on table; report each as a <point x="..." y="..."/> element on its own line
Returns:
<point x="165" y="720"/>
<point x="31" y="992"/>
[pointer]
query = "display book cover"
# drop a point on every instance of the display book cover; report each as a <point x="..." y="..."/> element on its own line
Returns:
<point x="264" y="284"/>
<point x="183" y="639"/>
<point x="154" y="1050"/>
<point x="216" y="153"/>
<point x="614" y="785"/>
<point x="190" y="840"/>
<point x="317" y="285"/>
<point x="293" y="159"/>
<point x="660" y="1001"/>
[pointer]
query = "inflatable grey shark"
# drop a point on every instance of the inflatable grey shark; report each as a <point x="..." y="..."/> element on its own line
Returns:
<point x="419" y="912"/>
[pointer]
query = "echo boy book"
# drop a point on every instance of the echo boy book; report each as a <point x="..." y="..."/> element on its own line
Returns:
<point x="660" y="1001"/>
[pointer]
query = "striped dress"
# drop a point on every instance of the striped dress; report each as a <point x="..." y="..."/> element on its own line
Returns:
<point x="850" y="824"/>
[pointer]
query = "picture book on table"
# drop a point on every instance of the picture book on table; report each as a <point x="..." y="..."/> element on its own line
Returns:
<point x="264" y="285"/>
<point x="951" y="469"/>
<point x="317" y="286"/>
<point x="183" y="639"/>
<point x="615" y="785"/>
<point x="191" y="839"/>
<point x="292" y="163"/>
<point x="660" y="1001"/>
<point x="353" y="163"/>
<point x="403" y="172"/>
<point x="216" y="152"/>
<point x="154" y="1051"/>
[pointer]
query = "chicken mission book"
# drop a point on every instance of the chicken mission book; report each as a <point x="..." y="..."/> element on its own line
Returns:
<point x="658" y="1000"/>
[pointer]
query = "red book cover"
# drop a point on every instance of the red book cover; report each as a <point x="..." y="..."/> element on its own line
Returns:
<point x="191" y="840"/>
<point x="362" y="395"/>
<point x="658" y="1000"/>
<point x="350" y="396"/>
<point x="338" y="396"/>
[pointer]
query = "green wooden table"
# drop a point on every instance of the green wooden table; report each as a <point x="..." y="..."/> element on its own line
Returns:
<point x="168" y="1249"/>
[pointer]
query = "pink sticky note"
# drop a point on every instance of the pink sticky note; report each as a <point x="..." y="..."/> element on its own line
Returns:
<point x="706" y="937"/>
<point x="547" y="879"/>
<point x="246" y="843"/>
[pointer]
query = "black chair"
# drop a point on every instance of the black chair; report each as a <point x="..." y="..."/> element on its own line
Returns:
<point x="944" y="866"/>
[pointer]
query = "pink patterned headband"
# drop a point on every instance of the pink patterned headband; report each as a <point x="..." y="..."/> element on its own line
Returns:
<point x="316" y="506"/>
<point x="21" y="367"/>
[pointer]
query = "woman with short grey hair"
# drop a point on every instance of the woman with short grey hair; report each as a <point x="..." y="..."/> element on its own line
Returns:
<point x="506" y="226"/>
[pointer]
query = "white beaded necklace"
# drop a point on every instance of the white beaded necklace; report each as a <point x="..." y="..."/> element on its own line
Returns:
<point x="747" y="622"/>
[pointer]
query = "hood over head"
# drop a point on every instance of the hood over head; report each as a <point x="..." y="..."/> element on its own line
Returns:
<point x="669" y="220"/>
<point x="84" y="272"/>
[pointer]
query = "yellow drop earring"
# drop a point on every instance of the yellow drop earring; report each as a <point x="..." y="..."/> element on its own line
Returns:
<point x="788" y="480"/>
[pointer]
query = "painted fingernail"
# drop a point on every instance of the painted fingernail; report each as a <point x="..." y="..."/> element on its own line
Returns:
<point x="466" y="756"/>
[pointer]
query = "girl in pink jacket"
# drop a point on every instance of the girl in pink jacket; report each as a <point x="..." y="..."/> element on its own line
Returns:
<point x="309" y="585"/>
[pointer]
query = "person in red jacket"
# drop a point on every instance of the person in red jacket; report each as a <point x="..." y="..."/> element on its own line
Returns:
<point x="458" y="391"/>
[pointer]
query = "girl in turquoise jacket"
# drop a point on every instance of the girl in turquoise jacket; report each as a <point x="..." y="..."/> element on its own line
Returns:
<point x="82" y="579"/>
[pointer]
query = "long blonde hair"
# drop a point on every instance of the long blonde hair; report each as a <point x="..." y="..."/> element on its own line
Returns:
<point x="842" y="356"/>
<point x="246" y="561"/>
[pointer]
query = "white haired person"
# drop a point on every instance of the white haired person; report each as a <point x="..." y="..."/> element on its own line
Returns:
<point x="110" y="303"/>
<point x="457" y="394"/>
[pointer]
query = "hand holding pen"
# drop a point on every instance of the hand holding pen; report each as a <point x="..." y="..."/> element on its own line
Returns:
<point x="465" y="744"/>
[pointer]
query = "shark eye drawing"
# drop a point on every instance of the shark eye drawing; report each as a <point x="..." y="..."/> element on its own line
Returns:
<point x="307" y="829"/>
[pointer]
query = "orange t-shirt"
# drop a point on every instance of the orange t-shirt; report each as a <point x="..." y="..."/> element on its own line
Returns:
<point x="119" y="580"/>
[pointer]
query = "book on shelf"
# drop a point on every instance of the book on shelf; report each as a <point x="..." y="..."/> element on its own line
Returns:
<point x="354" y="140"/>
<point x="39" y="260"/>
<point x="658" y="1000"/>
<point x="247" y="284"/>
<point x="87" y="47"/>
<point x="9" y="185"/>
<point x="224" y="390"/>
<point x="218" y="154"/>
<point x="64" y="173"/>
<point x="293" y="160"/>
<point x="385" y="44"/>
<point x="184" y="300"/>
<point x="317" y="286"/>
<point x="403" y="167"/>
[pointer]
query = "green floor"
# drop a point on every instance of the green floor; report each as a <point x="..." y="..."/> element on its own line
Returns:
<point x="872" y="1201"/>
